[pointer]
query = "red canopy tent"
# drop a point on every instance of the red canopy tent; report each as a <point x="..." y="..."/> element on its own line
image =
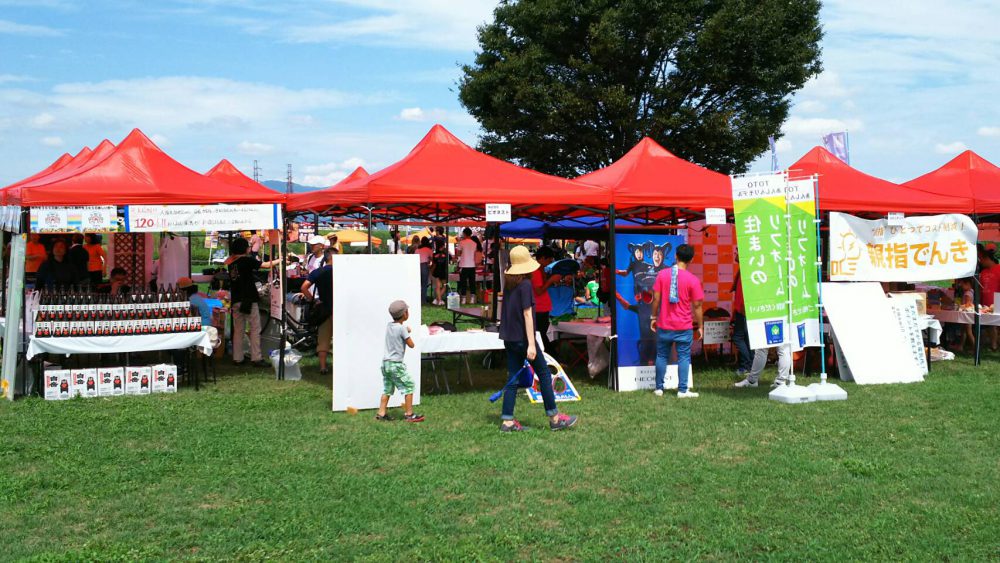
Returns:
<point x="224" y="171"/>
<point x="63" y="160"/>
<point x="136" y="172"/>
<point x="445" y="179"/>
<point x="650" y="178"/>
<point x="967" y="175"/>
<point x="843" y="188"/>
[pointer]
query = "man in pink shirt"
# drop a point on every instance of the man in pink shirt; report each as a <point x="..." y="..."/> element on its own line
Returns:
<point x="677" y="299"/>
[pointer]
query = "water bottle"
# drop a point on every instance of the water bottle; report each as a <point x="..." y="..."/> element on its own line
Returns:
<point x="453" y="300"/>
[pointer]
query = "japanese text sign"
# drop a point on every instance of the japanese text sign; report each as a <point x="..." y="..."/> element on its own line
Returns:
<point x="803" y="277"/>
<point x="197" y="218"/>
<point x="498" y="212"/>
<point x="761" y="237"/>
<point x="937" y="247"/>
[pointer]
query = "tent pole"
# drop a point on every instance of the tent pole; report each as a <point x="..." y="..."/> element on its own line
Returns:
<point x="977" y="297"/>
<point x="613" y="356"/>
<point x="495" y="251"/>
<point x="282" y="272"/>
<point x="369" y="229"/>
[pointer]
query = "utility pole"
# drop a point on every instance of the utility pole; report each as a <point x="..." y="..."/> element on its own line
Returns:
<point x="256" y="172"/>
<point x="288" y="184"/>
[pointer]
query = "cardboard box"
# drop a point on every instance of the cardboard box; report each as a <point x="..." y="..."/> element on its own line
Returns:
<point x="111" y="381"/>
<point x="84" y="382"/>
<point x="164" y="378"/>
<point x="138" y="380"/>
<point x="58" y="385"/>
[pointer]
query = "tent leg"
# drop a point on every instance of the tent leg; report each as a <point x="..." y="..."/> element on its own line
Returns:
<point x="613" y="356"/>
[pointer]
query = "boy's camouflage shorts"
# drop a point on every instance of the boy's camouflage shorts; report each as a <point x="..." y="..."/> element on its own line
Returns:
<point x="394" y="376"/>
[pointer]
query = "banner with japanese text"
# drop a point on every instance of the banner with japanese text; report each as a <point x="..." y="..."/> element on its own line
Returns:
<point x="98" y="219"/>
<point x="936" y="247"/>
<point x="202" y="218"/>
<point x="761" y="236"/>
<point x="803" y="278"/>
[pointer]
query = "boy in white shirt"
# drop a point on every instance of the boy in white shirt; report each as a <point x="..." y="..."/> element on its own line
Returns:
<point x="467" y="250"/>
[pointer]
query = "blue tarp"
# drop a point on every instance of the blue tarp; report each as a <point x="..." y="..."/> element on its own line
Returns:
<point x="533" y="228"/>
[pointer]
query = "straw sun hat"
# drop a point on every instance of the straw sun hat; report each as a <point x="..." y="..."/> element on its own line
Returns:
<point x="521" y="261"/>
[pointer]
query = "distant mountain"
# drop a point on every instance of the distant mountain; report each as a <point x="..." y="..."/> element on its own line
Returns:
<point x="279" y="186"/>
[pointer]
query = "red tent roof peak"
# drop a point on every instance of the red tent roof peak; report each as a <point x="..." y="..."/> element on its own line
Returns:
<point x="968" y="175"/>
<point x="845" y="188"/>
<point x="226" y="172"/>
<point x="224" y="166"/>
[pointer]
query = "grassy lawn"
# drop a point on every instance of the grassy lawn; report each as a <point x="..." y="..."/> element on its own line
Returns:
<point x="252" y="468"/>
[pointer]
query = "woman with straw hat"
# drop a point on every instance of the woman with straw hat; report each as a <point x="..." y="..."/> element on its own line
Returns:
<point x="517" y="330"/>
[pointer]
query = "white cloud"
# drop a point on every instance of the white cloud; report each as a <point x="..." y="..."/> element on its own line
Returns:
<point x="13" y="28"/>
<point x="783" y="145"/>
<point x="810" y="106"/>
<point x="194" y="101"/>
<point x="826" y="85"/>
<point x="331" y="172"/>
<point x="818" y="126"/>
<point x="160" y="140"/>
<point x="435" y="115"/>
<point x="412" y="114"/>
<point x="12" y="78"/>
<point x="950" y="148"/>
<point x="255" y="149"/>
<point x="52" y="141"/>
<point x="425" y="24"/>
<point x="989" y="131"/>
<point x="43" y="120"/>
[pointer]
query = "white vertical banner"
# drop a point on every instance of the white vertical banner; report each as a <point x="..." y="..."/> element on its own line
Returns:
<point x="363" y="287"/>
<point x="15" y="304"/>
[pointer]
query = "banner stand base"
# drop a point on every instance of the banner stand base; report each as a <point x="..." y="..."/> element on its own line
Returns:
<point x="827" y="392"/>
<point x="791" y="394"/>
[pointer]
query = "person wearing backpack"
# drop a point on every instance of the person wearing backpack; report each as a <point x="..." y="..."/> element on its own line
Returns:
<point x="517" y="330"/>
<point x="321" y="279"/>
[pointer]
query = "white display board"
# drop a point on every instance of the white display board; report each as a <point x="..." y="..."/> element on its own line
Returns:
<point x="908" y="322"/>
<point x="644" y="377"/>
<point x="363" y="287"/>
<point x="869" y="335"/>
<point x="715" y="332"/>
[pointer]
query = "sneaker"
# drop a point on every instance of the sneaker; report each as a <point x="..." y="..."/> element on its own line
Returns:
<point x="658" y="392"/>
<point x="383" y="417"/>
<point x="562" y="422"/>
<point x="516" y="427"/>
<point x="745" y="383"/>
<point x="778" y="383"/>
<point x="686" y="394"/>
<point x="413" y="417"/>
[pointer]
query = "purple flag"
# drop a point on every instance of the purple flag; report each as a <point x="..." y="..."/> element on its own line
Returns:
<point x="837" y="144"/>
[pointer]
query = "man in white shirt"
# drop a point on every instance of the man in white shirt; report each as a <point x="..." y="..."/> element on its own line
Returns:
<point x="591" y="248"/>
<point x="467" y="250"/>
<point x="317" y="253"/>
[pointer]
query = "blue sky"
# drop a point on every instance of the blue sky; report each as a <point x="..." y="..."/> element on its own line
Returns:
<point x="328" y="85"/>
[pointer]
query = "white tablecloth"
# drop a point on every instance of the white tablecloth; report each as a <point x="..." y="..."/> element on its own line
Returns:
<point x="119" y="344"/>
<point x="454" y="342"/>
<point x="966" y="317"/>
<point x="932" y="326"/>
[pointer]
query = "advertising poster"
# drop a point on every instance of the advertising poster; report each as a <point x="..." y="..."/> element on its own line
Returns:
<point x="761" y="235"/>
<point x="102" y="219"/>
<point x="715" y="265"/>
<point x="937" y="247"/>
<point x="638" y="259"/>
<point x="802" y="275"/>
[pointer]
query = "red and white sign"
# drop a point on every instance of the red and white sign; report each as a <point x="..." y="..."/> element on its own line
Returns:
<point x="202" y="218"/>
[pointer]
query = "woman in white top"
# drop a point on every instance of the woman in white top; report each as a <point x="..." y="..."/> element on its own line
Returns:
<point x="468" y="252"/>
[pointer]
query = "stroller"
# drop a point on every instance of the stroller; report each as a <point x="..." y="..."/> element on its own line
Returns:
<point x="300" y="326"/>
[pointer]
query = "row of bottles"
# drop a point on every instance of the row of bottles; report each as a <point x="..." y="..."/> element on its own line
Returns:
<point x="67" y="313"/>
<point x="84" y="305"/>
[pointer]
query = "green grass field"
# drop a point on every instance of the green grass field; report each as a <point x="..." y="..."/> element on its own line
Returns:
<point x="252" y="468"/>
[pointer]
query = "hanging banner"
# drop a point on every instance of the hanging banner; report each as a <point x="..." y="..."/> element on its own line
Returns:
<point x="802" y="275"/>
<point x="197" y="218"/>
<point x="103" y="219"/>
<point x="638" y="259"/>
<point x="761" y="237"/>
<point x="937" y="247"/>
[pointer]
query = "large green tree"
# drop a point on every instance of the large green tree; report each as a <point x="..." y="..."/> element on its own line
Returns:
<point x="568" y="86"/>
